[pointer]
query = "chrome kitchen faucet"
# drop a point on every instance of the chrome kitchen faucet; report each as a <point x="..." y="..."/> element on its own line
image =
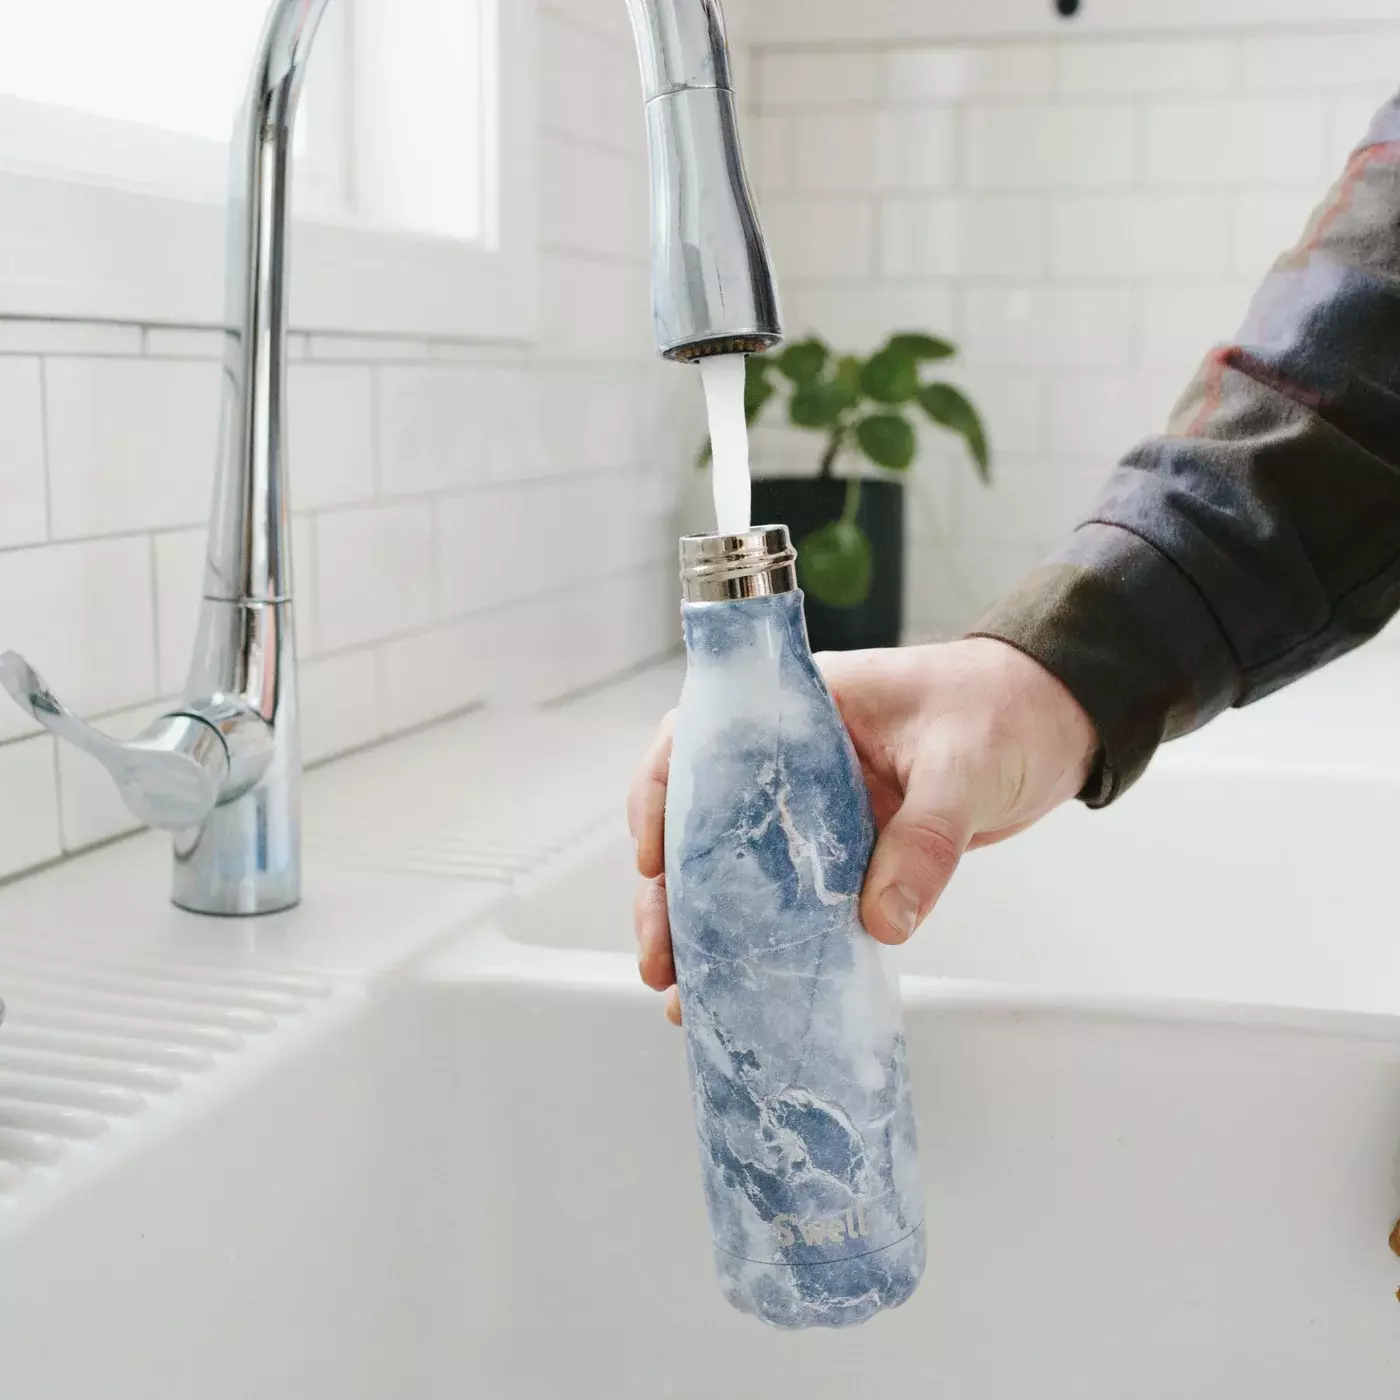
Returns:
<point x="223" y="770"/>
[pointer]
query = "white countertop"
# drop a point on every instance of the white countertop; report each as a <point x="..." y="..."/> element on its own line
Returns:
<point x="401" y="841"/>
<point x="426" y="830"/>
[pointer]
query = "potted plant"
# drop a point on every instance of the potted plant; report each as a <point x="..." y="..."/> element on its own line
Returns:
<point x="849" y="529"/>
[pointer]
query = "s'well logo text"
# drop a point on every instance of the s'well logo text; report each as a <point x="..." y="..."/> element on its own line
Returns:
<point x="853" y="1225"/>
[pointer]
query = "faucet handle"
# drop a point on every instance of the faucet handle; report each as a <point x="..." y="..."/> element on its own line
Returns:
<point x="170" y="776"/>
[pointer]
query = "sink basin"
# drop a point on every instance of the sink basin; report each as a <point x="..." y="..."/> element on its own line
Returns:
<point x="1156" y="1058"/>
<point x="484" y="1176"/>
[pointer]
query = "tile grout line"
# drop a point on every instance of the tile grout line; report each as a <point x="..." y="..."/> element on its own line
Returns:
<point x="376" y="414"/>
<point x="44" y="451"/>
<point x="155" y="608"/>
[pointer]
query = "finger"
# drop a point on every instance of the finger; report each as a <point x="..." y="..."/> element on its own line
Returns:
<point x="654" y="958"/>
<point x="646" y="803"/>
<point x="919" y="849"/>
<point x="843" y="671"/>
<point x="673" y="1006"/>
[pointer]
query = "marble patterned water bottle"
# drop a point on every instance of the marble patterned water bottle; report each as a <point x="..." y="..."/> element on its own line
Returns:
<point x="793" y="1026"/>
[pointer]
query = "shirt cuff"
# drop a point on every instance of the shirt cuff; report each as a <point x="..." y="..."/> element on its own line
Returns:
<point x="1130" y="637"/>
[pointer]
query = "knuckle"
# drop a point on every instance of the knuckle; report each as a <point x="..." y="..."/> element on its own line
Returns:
<point x="650" y="907"/>
<point x="937" y="841"/>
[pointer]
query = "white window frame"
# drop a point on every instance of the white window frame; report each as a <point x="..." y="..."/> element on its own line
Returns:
<point x="78" y="246"/>
<point x="892" y="21"/>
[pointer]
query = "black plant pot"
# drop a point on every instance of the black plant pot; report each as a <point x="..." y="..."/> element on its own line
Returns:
<point x="804" y="505"/>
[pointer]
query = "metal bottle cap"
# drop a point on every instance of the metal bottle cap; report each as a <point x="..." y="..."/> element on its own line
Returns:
<point x="756" y="564"/>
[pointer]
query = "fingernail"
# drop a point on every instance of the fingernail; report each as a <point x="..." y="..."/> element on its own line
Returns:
<point x="900" y="906"/>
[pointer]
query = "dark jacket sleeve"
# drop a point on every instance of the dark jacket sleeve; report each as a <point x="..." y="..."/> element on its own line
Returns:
<point x="1260" y="537"/>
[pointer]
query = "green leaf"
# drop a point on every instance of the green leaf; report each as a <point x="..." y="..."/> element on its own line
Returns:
<point x="950" y="408"/>
<point x="804" y="361"/>
<point x="888" y="440"/>
<point x="848" y="369"/>
<point x="821" y="404"/>
<point x="918" y="346"/>
<point x="890" y="377"/>
<point x="836" y="565"/>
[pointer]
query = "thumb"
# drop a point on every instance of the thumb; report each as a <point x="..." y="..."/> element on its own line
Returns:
<point x="919" y="850"/>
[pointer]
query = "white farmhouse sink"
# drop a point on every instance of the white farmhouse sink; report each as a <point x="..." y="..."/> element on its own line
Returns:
<point x="1156" y="1057"/>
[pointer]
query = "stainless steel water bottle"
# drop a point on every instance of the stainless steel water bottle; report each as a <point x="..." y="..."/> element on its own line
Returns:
<point x="793" y="1026"/>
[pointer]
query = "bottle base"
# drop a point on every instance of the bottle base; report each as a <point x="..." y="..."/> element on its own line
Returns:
<point x="841" y="1294"/>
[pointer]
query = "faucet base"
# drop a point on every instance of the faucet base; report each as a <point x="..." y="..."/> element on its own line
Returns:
<point x="252" y="912"/>
<point x="245" y="859"/>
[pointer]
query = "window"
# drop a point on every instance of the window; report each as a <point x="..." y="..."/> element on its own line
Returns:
<point x="422" y="101"/>
<point x="132" y="92"/>
<point x="410" y="149"/>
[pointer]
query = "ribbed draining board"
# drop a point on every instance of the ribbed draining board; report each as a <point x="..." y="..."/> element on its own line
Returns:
<point x="94" y="1037"/>
<point x="96" y="1034"/>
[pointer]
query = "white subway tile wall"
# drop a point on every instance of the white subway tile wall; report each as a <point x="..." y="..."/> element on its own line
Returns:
<point x="472" y="522"/>
<point x="129" y="443"/>
<point x="967" y="72"/>
<point x="1086" y="217"/>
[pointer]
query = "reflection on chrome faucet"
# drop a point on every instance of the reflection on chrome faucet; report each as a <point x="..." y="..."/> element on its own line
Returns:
<point x="223" y="770"/>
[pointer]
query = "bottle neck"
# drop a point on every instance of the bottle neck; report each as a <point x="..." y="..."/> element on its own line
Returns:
<point x="771" y="629"/>
<point x="758" y="563"/>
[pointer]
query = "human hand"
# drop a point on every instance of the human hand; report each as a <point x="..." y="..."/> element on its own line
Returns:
<point x="962" y="745"/>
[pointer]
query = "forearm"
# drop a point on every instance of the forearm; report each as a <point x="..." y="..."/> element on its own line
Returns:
<point x="1260" y="537"/>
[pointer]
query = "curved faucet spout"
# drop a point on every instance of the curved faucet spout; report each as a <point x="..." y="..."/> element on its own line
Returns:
<point x="713" y="294"/>
<point x="248" y="543"/>
<point x="246" y="857"/>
